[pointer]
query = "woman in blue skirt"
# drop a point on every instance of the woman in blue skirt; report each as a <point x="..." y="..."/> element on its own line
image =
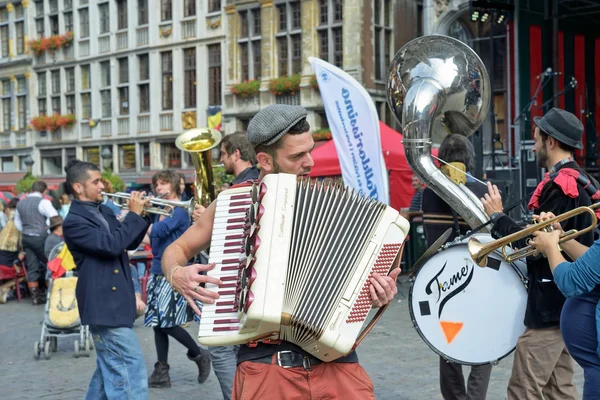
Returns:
<point x="167" y="310"/>
<point x="579" y="281"/>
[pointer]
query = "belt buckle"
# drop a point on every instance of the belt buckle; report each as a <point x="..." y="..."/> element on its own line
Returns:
<point x="279" y="353"/>
<point x="306" y="363"/>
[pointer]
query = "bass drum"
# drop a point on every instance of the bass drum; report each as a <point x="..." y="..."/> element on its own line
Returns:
<point x="465" y="313"/>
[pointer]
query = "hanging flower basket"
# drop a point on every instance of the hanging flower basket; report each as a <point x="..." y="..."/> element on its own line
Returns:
<point x="285" y="85"/>
<point x="52" y="43"/>
<point x="321" y="134"/>
<point x="51" y="123"/>
<point x="246" y="89"/>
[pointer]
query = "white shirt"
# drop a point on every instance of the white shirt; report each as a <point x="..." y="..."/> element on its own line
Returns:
<point x="45" y="208"/>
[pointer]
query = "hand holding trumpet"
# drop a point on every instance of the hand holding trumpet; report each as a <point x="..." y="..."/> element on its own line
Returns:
<point x="138" y="202"/>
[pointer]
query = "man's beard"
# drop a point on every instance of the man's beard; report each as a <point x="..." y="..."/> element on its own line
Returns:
<point x="542" y="158"/>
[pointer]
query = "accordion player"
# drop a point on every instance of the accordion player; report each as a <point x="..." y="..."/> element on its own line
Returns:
<point x="294" y="258"/>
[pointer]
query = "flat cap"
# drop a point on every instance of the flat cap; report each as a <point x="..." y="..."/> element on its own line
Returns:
<point x="272" y="122"/>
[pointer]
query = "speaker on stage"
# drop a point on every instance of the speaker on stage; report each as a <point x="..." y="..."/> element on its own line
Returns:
<point x="531" y="174"/>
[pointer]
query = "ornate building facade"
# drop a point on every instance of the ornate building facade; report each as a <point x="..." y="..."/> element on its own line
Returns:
<point x="269" y="42"/>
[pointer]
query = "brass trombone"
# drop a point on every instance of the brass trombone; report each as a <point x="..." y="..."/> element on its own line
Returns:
<point x="480" y="251"/>
<point x="159" y="206"/>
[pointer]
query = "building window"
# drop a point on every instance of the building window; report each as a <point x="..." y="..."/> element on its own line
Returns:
<point x="55" y="77"/>
<point x="4" y="39"/>
<point x="41" y="83"/>
<point x="51" y="162"/>
<point x="53" y="19"/>
<point x="189" y="71"/>
<point x="145" y="153"/>
<point x="70" y="104"/>
<point x="331" y="13"/>
<point x="91" y="155"/>
<point x="39" y="27"/>
<point x="8" y="164"/>
<point x="20" y="30"/>
<point x="214" y="74"/>
<point x="105" y="96"/>
<point x="86" y="106"/>
<point x="42" y="104"/>
<point x="121" y="14"/>
<point x="21" y="85"/>
<point x="123" y="70"/>
<point x="214" y="6"/>
<point x="123" y="100"/>
<point x="84" y="23"/>
<point x="144" y="67"/>
<point x="22" y="111"/>
<point x="172" y="155"/>
<point x="71" y="154"/>
<point x="144" y="96"/>
<point x="56" y="105"/>
<point x="289" y="38"/>
<point x="68" y="18"/>
<point x="142" y="12"/>
<point x="104" y="18"/>
<point x="70" y="75"/>
<point x="189" y="8"/>
<point x="85" y="77"/>
<point x="39" y="8"/>
<point x="105" y="73"/>
<point x="249" y="42"/>
<point x="383" y="37"/>
<point x="6" y="114"/>
<point x="167" y="80"/>
<point x="166" y="10"/>
<point x="127" y="158"/>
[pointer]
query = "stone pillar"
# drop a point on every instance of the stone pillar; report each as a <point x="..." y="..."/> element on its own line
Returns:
<point x="233" y="23"/>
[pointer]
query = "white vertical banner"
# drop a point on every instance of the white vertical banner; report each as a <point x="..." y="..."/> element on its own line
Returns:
<point x="354" y="127"/>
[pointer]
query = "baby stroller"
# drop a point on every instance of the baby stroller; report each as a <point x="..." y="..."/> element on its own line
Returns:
<point x="61" y="315"/>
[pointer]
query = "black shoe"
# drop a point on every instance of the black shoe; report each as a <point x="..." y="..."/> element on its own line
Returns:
<point x="160" y="377"/>
<point x="203" y="362"/>
<point x="37" y="297"/>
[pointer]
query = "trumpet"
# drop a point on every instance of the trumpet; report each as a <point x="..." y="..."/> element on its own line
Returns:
<point x="479" y="252"/>
<point x="159" y="206"/>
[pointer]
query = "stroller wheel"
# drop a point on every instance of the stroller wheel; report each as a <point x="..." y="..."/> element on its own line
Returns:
<point x="47" y="350"/>
<point x="87" y="347"/>
<point x="76" y="348"/>
<point x="54" y="343"/>
<point x="36" y="350"/>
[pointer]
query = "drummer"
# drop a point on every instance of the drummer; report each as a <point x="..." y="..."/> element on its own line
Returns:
<point x="438" y="216"/>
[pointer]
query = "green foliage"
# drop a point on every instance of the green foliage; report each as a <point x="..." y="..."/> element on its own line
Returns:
<point x="24" y="184"/>
<point x="246" y="89"/>
<point x="220" y="177"/>
<point x="285" y="85"/>
<point x="116" y="181"/>
<point x="314" y="83"/>
<point x="321" y="134"/>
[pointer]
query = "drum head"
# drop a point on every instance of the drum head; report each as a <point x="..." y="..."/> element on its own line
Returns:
<point x="465" y="313"/>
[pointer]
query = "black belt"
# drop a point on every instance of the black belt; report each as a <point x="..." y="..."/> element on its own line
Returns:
<point x="290" y="359"/>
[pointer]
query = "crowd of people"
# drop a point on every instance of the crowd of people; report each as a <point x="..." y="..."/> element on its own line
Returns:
<point x="562" y="315"/>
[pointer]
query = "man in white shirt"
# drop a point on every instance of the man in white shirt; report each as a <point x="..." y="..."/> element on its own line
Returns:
<point x="31" y="218"/>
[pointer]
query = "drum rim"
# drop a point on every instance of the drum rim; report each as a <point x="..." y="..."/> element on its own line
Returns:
<point x="420" y="332"/>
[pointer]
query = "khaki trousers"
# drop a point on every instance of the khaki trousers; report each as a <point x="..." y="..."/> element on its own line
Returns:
<point x="542" y="368"/>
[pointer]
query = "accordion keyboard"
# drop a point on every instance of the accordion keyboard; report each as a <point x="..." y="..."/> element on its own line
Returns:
<point x="221" y="317"/>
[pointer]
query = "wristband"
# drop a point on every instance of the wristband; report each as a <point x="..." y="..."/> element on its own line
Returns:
<point x="173" y="273"/>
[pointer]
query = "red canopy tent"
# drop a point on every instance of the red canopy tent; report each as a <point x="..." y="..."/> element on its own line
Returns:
<point x="400" y="174"/>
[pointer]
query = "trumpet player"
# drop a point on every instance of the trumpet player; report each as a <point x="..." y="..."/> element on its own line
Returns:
<point x="105" y="294"/>
<point x="580" y="283"/>
<point x="543" y="367"/>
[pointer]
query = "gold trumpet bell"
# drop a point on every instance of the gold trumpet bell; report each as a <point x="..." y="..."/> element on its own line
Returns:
<point x="198" y="142"/>
<point x="475" y="246"/>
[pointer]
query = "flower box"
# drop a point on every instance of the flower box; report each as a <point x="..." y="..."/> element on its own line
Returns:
<point x="246" y="89"/>
<point x="51" y="44"/>
<point x="321" y="134"/>
<point x="51" y="123"/>
<point x="285" y="85"/>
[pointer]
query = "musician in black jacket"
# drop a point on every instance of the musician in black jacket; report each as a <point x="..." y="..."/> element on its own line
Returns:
<point x="438" y="216"/>
<point x="542" y="366"/>
<point x="283" y="142"/>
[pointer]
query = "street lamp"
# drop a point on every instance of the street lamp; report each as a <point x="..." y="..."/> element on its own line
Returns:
<point x="28" y="161"/>
<point x="106" y="155"/>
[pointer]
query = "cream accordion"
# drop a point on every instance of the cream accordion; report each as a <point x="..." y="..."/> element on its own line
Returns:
<point x="294" y="258"/>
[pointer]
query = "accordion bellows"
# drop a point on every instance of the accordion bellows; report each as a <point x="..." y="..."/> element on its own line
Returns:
<point x="295" y="258"/>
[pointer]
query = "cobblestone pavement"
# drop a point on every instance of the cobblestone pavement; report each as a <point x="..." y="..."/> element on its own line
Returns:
<point x="399" y="363"/>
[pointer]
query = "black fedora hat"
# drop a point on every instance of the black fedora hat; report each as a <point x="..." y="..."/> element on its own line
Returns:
<point x="562" y="126"/>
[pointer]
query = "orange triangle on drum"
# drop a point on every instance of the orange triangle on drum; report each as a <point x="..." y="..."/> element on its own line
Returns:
<point x="451" y="329"/>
